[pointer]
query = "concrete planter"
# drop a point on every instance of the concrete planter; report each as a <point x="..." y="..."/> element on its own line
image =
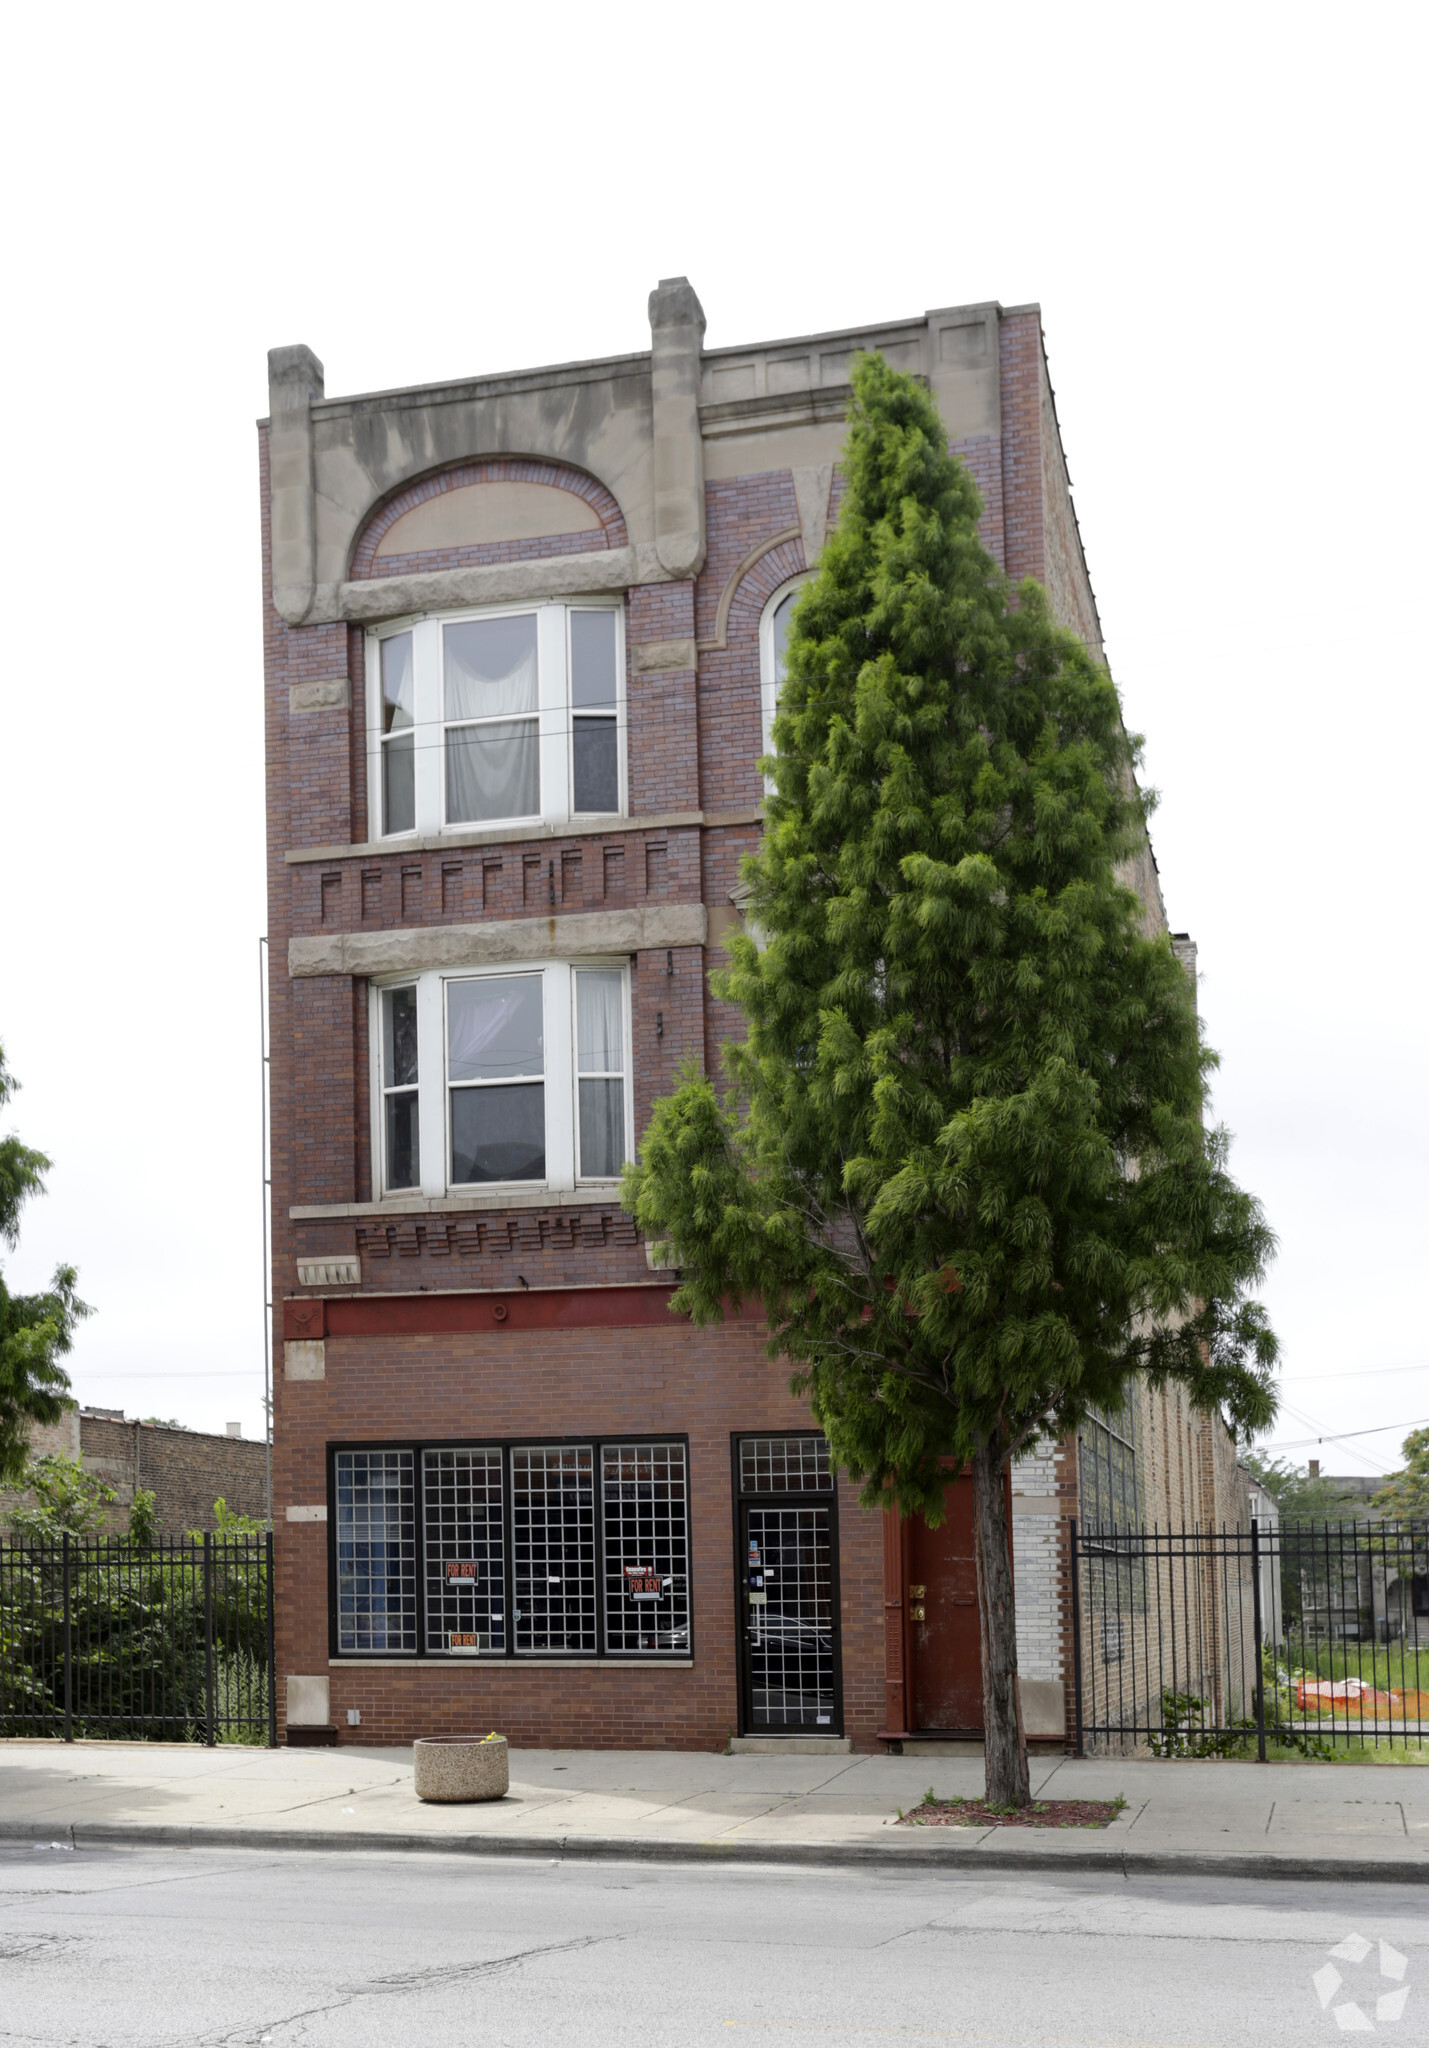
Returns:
<point x="451" y="1769"/>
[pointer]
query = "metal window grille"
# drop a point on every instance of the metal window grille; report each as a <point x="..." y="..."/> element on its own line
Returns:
<point x="465" y="1553"/>
<point x="376" y="1551"/>
<point x="1108" y="1470"/>
<point x="645" y="1500"/>
<point x="784" y="1464"/>
<point x="553" y="1548"/>
<point x="791" y="1652"/>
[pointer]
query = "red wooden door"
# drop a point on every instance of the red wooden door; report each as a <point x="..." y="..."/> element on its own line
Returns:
<point x="943" y="1638"/>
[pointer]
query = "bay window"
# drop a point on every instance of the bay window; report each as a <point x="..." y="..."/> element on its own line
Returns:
<point x="497" y="717"/>
<point x="502" y="1077"/>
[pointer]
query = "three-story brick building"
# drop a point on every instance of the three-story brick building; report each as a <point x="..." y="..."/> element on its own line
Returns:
<point x="523" y="638"/>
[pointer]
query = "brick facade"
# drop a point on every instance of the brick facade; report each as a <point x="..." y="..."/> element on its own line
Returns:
<point x="706" y="508"/>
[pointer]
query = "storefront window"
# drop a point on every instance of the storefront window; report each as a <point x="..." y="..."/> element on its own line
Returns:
<point x="376" y="1552"/>
<point x="514" y="1552"/>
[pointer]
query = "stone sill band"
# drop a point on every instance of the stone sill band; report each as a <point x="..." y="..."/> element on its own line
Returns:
<point x="507" y="835"/>
<point x="574" y="935"/>
<point x="511" y="1663"/>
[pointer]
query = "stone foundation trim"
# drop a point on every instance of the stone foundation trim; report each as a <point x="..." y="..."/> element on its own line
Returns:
<point x="416" y="949"/>
<point x="501" y="835"/>
<point x="332" y="693"/>
<point x="307" y="1702"/>
<point x="658" y="657"/>
<point x="305" y="1359"/>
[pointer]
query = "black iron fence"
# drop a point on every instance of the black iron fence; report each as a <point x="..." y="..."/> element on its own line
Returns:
<point x="167" y="1641"/>
<point x="1293" y="1638"/>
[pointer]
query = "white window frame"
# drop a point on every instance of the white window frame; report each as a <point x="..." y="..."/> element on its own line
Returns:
<point x="561" y="1079"/>
<point x="554" y="713"/>
<point x="768" y="674"/>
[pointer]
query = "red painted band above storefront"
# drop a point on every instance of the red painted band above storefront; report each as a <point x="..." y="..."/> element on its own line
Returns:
<point x="536" y="1308"/>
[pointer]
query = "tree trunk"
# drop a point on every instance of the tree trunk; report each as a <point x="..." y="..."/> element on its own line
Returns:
<point x="1004" y="1744"/>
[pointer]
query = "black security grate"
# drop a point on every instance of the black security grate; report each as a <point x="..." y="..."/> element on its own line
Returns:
<point x="790" y="1625"/>
<point x="465" y="1551"/>
<point x="376" y="1552"/>
<point x="784" y="1464"/>
<point x="644" y="1500"/>
<point x="553" y="1548"/>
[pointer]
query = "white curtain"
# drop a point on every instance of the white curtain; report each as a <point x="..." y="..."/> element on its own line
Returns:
<point x="489" y="670"/>
<point x="600" y="1047"/>
<point x="493" y="771"/>
<point x="490" y="667"/>
<point x="398" y="699"/>
<point x="494" y="1028"/>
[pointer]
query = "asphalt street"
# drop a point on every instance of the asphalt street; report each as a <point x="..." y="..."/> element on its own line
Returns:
<point x="254" y="1950"/>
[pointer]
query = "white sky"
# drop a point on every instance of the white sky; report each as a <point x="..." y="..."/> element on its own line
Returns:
<point x="1220" y="212"/>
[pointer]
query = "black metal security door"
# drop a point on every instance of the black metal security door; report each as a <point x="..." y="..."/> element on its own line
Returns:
<point x="789" y="1663"/>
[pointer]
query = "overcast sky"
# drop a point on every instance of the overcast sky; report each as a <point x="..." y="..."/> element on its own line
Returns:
<point x="1220" y="213"/>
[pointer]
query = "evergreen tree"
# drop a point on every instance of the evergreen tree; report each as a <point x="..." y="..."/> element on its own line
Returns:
<point x="36" y="1330"/>
<point x="961" y="1162"/>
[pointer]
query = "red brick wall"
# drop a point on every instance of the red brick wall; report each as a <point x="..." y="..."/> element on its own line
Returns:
<point x="703" y="1384"/>
<point x="185" y="1469"/>
<point x="694" y="741"/>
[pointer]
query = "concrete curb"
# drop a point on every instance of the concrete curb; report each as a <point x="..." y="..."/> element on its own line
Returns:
<point x="1022" y="1857"/>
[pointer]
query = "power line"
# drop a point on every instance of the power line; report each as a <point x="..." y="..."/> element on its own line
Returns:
<point x="1300" y="1443"/>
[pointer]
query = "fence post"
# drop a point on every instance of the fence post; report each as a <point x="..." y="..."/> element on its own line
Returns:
<point x="208" y="1633"/>
<point x="69" y="1684"/>
<point x="272" y="1653"/>
<point x="1076" y="1638"/>
<point x="1259" y="1639"/>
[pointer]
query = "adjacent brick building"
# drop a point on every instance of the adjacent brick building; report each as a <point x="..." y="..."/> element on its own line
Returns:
<point x="186" y="1470"/>
<point x="522" y="642"/>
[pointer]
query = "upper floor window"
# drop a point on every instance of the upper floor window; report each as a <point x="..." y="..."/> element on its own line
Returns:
<point x="496" y="718"/>
<point x="514" y="1076"/>
<point x="773" y="641"/>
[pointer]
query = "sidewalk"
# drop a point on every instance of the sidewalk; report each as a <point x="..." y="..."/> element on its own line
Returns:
<point x="1231" y="1819"/>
